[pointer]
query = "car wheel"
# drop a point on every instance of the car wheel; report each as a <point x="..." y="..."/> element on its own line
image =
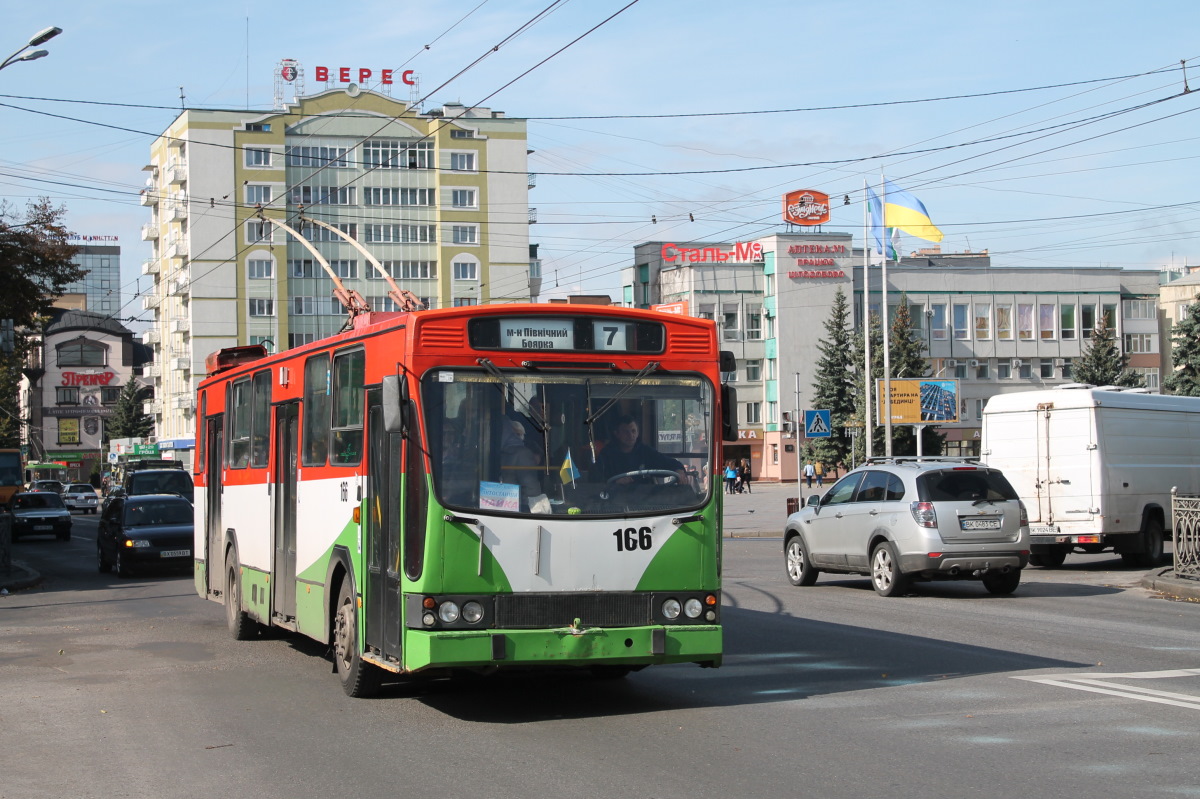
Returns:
<point x="1002" y="584"/>
<point x="123" y="567"/>
<point x="1152" y="535"/>
<point x="102" y="565"/>
<point x="358" y="677"/>
<point x="240" y="625"/>
<point x="886" y="577"/>
<point x="799" y="569"/>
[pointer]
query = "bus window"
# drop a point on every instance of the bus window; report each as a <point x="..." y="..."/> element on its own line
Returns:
<point x="260" y="423"/>
<point x="348" y="407"/>
<point x="239" y="424"/>
<point x="201" y="420"/>
<point x="315" y="448"/>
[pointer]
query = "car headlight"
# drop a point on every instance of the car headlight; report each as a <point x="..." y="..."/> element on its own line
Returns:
<point x="448" y="612"/>
<point x="693" y="608"/>
<point x="472" y="612"/>
<point x="670" y="609"/>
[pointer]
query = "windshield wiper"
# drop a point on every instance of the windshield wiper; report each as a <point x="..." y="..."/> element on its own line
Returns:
<point x="531" y="413"/>
<point x="639" y="377"/>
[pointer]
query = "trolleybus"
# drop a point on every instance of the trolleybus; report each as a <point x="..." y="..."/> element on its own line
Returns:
<point x="471" y="488"/>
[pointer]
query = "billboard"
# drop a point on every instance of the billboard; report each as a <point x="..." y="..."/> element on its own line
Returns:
<point x="919" y="401"/>
<point x="806" y="207"/>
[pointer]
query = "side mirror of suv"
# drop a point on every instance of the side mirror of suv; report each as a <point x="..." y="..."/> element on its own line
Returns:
<point x="814" y="500"/>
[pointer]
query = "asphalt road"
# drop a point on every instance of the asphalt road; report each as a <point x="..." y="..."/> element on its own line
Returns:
<point x="1081" y="684"/>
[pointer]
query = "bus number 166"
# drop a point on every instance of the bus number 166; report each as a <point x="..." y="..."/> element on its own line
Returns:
<point x="630" y="539"/>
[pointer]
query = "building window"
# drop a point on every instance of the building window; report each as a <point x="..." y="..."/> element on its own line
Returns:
<point x="1004" y="328"/>
<point x="1139" y="342"/>
<point x="754" y="323"/>
<point x="729" y="322"/>
<point x="1066" y="321"/>
<point x="66" y="395"/>
<point x="460" y="302"/>
<point x="258" y="195"/>
<point x="1087" y="320"/>
<point x="1003" y="371"/>
<point x="961" y="331"/>
<point x="408" y="270"/>
<point x="1026" y="371"/>
<point x="979" y="409"/>
<point x="1149" y="374"/>
<point x="960" y="371"/>
<point x="261" y="307"/>
<point x="315" y="233"/>
<point x="260" y="269"/>
<point x="259" y="231"/>
<point x="109" y="395"/>
<point x="380" y="196"/>
<point x="459" y="133"/>
<point x="753" y="413"/>
<point x="982" y="371"/>
<point x="1140" y="309"/>
<point x="707" y="310"/>
<point x="300" y="339"/>
<point x="1109" y="315"/>
<point x="266" y="341"/>
<point x="937" y="322"/>
<point x="317" y="157"/>
<point x="983" y="321"/>
<point x="753" y="370"/>
<point x="772" y="412"/>
<point x="258" y="156"/>
<point x="463" y="198"/>
<point x="301" y="267"/>
<point x="81" y="353"/>
<point x="324" y="195"/>
<point x="1046" y="369"/>
<point x="258" y="127"/>
<point x="465" y="270"/>
<point x="1066" y="369"/>
<point x="774" y="454"/>
<point x="462" y="162"/>
<point x="465" y="234"/>
<point x="1046" y="329"/>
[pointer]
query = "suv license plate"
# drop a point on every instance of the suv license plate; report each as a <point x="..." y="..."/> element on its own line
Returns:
<point x="175" y="553"/>
<point x="980" y="524"/>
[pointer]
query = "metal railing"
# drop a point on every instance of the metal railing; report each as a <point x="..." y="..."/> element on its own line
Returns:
<point x="1185" y="510"/>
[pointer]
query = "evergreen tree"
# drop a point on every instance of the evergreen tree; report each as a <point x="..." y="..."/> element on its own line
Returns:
<point x="1102" y="363"/>
<point x="129" y="419"/>
<point x="1185" y="355"/>
<point x="834" y="388"/>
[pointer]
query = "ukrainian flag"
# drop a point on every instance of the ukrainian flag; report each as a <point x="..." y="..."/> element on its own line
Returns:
<point x="903" y="211"/>
<point x="567" y="472"/>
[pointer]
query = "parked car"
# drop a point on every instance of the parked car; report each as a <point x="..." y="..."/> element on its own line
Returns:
<point x="40" y="513"/>
<point x="55" y="486"/>
<point x="145" y="530"/>
<point x="80" y="496"/>
<point x="904" y="519"/>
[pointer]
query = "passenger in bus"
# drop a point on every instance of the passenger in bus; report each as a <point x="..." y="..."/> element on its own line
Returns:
<point x="626" y="453"/>
<point x="518" y="463"/>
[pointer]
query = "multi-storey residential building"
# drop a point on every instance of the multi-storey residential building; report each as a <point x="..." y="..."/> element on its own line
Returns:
<point x="440" y="198"/>
<point x="994" y="329"/>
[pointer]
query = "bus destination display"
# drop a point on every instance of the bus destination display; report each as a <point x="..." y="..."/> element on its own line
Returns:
<point x="591" y="334"/>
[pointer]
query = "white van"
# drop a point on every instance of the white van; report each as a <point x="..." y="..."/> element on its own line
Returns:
<point x="1095" y="466"/>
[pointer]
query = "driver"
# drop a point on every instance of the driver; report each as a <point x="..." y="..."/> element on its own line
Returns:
<point x="625" y="453"/>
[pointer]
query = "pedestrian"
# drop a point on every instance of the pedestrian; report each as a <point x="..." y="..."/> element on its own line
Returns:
<point x="819" y="471"/>
<point x="809" y="473"/>
<point x="744" y="474"/>
<point x="730" y="477"/>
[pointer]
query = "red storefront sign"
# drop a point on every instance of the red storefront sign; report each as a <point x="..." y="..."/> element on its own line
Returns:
<point x="87" y="379"/>
<point x="346" y="75"/>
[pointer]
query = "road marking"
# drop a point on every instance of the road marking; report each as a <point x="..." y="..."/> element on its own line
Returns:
<point x="1101" y="684"/>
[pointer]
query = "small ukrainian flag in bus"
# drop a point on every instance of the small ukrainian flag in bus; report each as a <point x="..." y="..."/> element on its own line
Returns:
<point x="567" y="472"/>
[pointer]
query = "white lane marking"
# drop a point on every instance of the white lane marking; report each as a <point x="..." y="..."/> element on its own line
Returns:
<point x="1100" y="684"/>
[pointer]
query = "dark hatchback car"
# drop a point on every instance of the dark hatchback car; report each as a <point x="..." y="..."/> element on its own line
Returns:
<point x="40" y="513"/>
<point x="148" y="530"/>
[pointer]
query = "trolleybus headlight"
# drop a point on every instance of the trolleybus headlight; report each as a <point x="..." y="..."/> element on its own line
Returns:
<point x="428" y="619"/>
<point x="670" y="609"/>
<point x="692" y="608"/>
<point x="711" y="615"/>
<point x="448" y="612"/>
<point x="472" y="612"/>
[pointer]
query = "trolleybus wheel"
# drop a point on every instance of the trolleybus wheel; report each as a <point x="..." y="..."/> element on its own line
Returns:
<point x="359" y="678"/>
<point x="240" y="625"/>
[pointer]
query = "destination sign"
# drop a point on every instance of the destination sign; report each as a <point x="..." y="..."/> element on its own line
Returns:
<point x="566" y="334"/>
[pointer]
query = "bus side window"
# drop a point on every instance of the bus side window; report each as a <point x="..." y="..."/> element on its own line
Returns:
<point x="260" y="420"/>
<point x="348" y="407"/>
<point x="315" y="446"/>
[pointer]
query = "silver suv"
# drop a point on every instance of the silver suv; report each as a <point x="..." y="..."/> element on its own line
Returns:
<point x="905" y="519"/>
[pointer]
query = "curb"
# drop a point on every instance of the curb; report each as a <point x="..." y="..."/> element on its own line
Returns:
<point x="21" y="576"/>
<point x="1165" y="581"/>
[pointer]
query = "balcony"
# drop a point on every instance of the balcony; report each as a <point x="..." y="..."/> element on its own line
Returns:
<point x="184" y="403"/>
<point x="154" y="370"/>
<point x="151" y="336"/>
<point x="150" y="267"/>
<point x="150" y="231"/>
<point x="177" y="172"/>
<point x="181" y="364"/>
<point x="533" y="180"/>
<point x="152" y="408"/>
<point x="148" y="197"/>
<point x="532" y="215"/>
<point x="178" y="212"/>
<point x="149" y="302"/>
<point x="178" y="288"/>
<point x="181" y="326"/>
<point x="177" y="248"/>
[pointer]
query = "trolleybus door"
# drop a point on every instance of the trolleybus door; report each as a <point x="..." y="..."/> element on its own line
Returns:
<point x="381" y="525"/>
<point x="287" y="423"/>
<point x="214" y="555"/>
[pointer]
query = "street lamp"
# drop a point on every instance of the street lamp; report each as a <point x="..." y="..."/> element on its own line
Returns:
<point x="23" y="53"/>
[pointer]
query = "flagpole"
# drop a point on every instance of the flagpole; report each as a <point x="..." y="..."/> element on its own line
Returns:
<point x="866" y="315"/>
<point x="887" y="360"/>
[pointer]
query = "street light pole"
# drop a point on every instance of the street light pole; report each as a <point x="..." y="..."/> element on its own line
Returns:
<point x="23" y="53"/>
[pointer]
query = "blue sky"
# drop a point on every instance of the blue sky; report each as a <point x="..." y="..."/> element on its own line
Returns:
<point x="1104" y="182"/>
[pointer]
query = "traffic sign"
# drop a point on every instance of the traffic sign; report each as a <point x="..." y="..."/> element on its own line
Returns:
<point x="817" y="424"/>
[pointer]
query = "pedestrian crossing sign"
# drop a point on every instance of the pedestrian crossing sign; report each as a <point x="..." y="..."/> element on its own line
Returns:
<point x="816" y="424"/>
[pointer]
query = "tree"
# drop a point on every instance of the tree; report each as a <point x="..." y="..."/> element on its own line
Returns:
<point x="129" y="419"/>
<point x="35" y="267"/>
<point x="1102" y="363"/>
<point x="834" y="388"/>
<point x="1185" y="355"/>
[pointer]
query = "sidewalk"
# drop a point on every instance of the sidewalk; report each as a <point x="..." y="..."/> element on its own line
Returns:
<point x="20" y="576"/>
<point x="762" y="514"/>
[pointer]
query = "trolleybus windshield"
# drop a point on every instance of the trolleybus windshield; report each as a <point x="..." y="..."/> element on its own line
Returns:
<point x="568" y="444"/>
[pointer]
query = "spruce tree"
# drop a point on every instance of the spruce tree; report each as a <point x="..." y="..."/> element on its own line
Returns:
<point x="1102" y="363"/>
<point x="833" y="388"/>
<point x="129" y="419"/>
<point x="1184" y="378"/>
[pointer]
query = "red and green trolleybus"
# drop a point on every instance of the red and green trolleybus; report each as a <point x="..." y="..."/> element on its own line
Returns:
<point x="483" y="487"/>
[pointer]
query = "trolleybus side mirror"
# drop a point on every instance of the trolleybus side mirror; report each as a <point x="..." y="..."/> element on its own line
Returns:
<point x="728" y="362"/>
<point x="729" y="428"/>
<point x="395" y="404"/>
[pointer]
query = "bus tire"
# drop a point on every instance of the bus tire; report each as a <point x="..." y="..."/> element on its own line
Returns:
<point x="359" y="678"/>
<point x="241" y="626"/>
